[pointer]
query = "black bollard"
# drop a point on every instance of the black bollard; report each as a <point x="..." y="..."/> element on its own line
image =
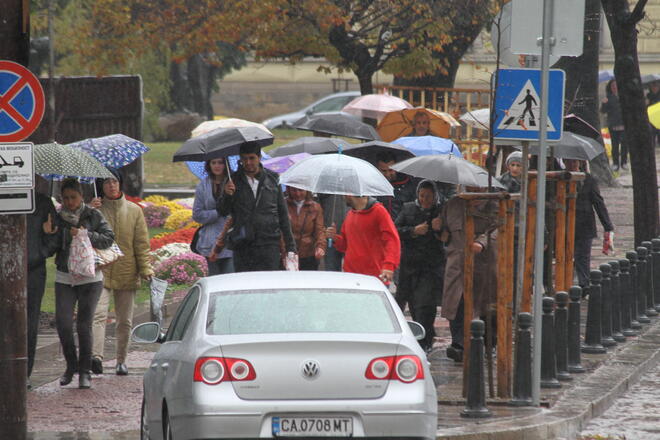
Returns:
<point x="475" y="406"/>
<point x="615" y="296"/>
<point x="648" y="287"/>
<point x="548" y="354"/>
<point x="574" y="361"/>
<point x="522" y="379"/>
<point x="606" y="306"/>
<point x="634" y="311"/>
<point x="627" y="299"/>
<point x="561" y="336"/>
<point x="640" y="285"/>
<point x="656" y="273"/>
<point x="592" y="335"/>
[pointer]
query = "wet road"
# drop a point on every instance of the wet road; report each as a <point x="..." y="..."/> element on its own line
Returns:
<point x="635" y="415"/>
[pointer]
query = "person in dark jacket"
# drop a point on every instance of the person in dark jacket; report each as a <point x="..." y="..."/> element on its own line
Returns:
<point x="260" y="217"/>
<point x="422" y="259"/>
<point x="405" y="187"/>
<point x="76" y="218"/>
<point x="511" y="179"/>
<point x="612" y="108"/>
<point x="588" y="200"/>
<point x="39" y="248"/>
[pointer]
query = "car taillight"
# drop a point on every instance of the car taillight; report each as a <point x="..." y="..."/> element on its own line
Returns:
<point x="213" y="370"/>
<point x="406" y="368"/>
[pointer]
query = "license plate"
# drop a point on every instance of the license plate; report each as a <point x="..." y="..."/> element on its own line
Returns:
<point x="312" y="426"/>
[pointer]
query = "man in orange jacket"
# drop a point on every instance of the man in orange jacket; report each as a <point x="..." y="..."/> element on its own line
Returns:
<point x="369" y="239"/>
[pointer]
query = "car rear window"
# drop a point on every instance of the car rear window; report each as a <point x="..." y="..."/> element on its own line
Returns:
<point x="300" y="311"/>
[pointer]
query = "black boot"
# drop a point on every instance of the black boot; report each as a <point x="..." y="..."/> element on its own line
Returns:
<point x="85" y="380"/>
<point x="67" y="377"/>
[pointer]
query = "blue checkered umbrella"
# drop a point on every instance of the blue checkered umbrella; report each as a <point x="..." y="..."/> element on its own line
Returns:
<point x="113" y="151"/>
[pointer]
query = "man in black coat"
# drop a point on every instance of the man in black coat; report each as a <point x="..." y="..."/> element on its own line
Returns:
<point x="255" y="201"/>
<point x="404" y="186"/>
<point x="422" y="258"/>
<point x="588" y="200"/>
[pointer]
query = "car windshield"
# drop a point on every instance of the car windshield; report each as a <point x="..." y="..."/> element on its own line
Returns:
<point x="300" y="311"/>
<point x="333" y="104"/>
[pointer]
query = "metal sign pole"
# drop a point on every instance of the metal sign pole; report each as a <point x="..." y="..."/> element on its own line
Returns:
<point x="540" y="202"/>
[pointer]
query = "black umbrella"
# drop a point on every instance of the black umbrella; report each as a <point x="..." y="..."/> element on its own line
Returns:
<point x="577" y="125"/>
<point x="370" y="151"/>
<point x="338" y="125"/>
<point x="572" y="146"/>
<point x="221" y="142"/>
<point x="311" y="145"/>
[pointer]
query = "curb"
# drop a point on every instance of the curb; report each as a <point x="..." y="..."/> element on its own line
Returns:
<point x="589" y="397"/>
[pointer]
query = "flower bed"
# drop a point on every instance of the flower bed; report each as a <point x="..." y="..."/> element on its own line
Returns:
<point x="184" y="268"/>
<point x="180" y="236"/>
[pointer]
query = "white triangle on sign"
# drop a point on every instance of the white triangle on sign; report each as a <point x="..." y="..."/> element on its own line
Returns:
<point x="524" y="112"/>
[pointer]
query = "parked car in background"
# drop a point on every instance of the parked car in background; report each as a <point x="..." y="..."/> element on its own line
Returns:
<point x="329" y="104"/>
<point x="286" y="354"/>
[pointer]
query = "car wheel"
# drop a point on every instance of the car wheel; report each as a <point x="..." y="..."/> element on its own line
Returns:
<point x="144" y="423"/>
<point x="167" y="428"/>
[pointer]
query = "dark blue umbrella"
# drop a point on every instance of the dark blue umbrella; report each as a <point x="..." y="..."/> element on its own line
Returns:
<point x="427" y="145"/>
<point x="113" y="151"/>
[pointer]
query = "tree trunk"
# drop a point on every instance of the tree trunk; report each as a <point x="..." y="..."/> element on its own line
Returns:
<point x="365" y="81"/>
<point x="623" y="28"/>
<point x="582" y="85"/>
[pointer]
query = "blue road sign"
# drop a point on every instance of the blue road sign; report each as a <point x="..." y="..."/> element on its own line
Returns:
<point x="518" y="105"/>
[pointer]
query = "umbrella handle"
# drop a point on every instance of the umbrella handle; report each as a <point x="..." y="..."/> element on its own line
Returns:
<point x="228" y="170"/>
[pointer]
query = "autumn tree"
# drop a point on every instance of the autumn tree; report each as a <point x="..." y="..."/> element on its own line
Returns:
<point x="623" y="24"/>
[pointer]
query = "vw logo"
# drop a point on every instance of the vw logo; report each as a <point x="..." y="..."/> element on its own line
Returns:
<point x="310" y="369"/>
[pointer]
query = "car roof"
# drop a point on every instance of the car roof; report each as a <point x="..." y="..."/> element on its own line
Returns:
<point x="290" y="280"/>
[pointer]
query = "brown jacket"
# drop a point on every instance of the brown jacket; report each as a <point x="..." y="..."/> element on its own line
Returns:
<point x="485" y="271"/>
<point x="307" y="227"/>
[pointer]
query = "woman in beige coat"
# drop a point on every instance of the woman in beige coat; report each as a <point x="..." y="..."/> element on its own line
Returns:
<point x="122" y="278"/>
<point x="485" y="272"/>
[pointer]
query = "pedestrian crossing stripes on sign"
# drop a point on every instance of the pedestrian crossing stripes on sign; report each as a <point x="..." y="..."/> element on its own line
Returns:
<point x="518" y="104"/>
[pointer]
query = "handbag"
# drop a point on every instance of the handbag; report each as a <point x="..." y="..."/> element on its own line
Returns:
<point x="81" y="257"/>
<point x="105" y="257"/>
<point x="195" y="239"/>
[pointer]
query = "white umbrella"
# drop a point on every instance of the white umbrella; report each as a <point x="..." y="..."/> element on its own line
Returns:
<point x="375" y="105"/>
<point x="479" y="118"/>
<point x="207" y="126"/>
<point x="337" y="174"/>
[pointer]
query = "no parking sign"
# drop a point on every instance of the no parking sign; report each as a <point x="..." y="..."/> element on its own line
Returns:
<point x="22" y="102"/>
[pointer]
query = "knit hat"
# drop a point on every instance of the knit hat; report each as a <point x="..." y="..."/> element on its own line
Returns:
<point x="516" y="156"/>
<point x="116" y="174"/>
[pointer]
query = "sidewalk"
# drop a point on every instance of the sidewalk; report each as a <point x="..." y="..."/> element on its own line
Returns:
<point x="111" y="409"/>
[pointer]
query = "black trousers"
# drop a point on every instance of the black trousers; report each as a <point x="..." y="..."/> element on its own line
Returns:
<point x="619" y="147"/>
<point x="582" y="257"/>
<point x="36" y="283"/>
<point x="256" y="258"/>
<point x="422" y="290"/>
<point x="66" y="297"/>
<point x="456" y="326"/>
<point x="308" y="263"/>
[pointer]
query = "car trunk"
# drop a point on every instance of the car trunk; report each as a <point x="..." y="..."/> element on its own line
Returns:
<point x="340" y="373"/>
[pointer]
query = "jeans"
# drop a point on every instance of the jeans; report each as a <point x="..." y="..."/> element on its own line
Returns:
<point x="66" y="297"/>
<point x="124" y="300"/>
<point x="36" y="283"/>
<point x="221" y="266"/>
<point x="256" y="258"/>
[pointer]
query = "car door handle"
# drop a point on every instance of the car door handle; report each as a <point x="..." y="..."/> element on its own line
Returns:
<point x="165" y="365"/>
<point x="153" y="365"/>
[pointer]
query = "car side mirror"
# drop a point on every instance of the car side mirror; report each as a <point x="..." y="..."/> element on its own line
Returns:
<point x="417" y="330"/>
<point x="309" y="112"/>
<point x="147" y="333"/>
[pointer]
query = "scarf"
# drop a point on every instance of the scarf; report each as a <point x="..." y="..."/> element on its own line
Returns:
<point x="72" y="217"/>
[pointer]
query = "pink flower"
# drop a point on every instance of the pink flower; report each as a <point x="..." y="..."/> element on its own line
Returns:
<point x="184" y="268"/>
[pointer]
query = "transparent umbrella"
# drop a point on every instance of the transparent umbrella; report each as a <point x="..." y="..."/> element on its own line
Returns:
<point x="56" y="160"/>
<point x="337" y="174"/>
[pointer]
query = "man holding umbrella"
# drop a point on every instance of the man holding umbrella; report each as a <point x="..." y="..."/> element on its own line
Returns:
<point x="255" y="201"/>
<point x="404" y="186"/>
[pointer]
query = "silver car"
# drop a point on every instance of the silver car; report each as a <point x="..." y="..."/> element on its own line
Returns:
<point x="288" y="354"/>
<point x="330" y="104"/>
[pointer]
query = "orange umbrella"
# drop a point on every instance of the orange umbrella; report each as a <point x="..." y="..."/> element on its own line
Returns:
<point x="400" y="123"/>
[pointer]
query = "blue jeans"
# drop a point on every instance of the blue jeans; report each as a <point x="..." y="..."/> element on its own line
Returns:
<point x="221" y="266"/>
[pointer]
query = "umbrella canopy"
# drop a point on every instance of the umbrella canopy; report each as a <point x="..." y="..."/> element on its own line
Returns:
<point x="56" y="160"/>
<point x="571" y="146"/>
<point x="426" y="145"/>
<point x="114" y="151"/>
<point x="654" y="115"/>
<point x="337" y="174"/>
<point x="652" y="77"/>
<point x="446" y="168"/>
<point x="337" y="125"/>
<point x="400" y="123"/>
<point x="207" y="126"/>
<point x="197" y="168"/>
<point x="375" y="106"/>
<point x="605" y="75"/>
<point x="221" y="142"/>
<point x="478" y="118"/>
<point x="577" y="125"/>
<point x="369" y="151"/>
<point x="311" y="145"/>
<point x="283" y="163"/>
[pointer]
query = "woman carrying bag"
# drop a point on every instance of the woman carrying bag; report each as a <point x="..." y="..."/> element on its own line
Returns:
<point x="76" y="218"/>
<point x="204" y="211"/>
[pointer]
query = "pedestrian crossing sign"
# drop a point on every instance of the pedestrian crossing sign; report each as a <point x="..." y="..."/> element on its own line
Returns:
<point x="518" y="105"/>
